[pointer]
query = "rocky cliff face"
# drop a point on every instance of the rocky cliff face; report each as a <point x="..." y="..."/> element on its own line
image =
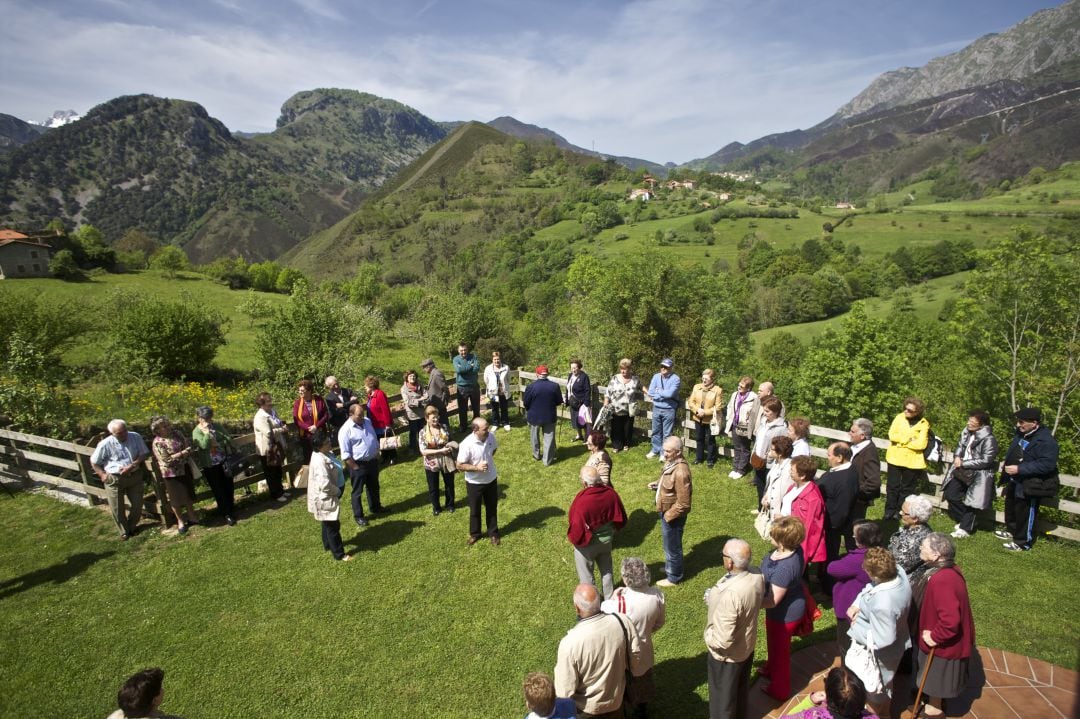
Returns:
<point x="1047" y="38"/>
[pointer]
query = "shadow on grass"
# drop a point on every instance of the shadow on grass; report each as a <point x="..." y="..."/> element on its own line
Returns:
<point x="71" y="567"/>
<point x="381" y="534"/>
<point x="707" y="555"/>
<point x="677" y="681"/>
<point x="531" y="520"/>
<point x="638" y="526"/>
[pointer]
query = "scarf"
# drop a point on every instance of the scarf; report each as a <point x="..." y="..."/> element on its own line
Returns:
<point x="918" y="589"/>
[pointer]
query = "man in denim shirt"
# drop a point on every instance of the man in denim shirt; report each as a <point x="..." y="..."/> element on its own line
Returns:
<point x="664" y="393"/>
<point x="118" y="463"/>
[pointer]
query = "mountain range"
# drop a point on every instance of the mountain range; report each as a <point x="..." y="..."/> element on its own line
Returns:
<point x="997" y="108"/>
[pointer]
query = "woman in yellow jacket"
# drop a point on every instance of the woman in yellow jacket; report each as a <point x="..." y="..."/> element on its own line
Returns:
<point x="705" y="401"/>
<point x="908" y="437"/>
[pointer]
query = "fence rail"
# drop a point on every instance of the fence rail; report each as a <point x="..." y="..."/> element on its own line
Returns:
<point x="31" y="459"/>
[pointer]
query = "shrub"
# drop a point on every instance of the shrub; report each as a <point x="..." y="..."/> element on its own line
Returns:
<point x="63" y="266"/>
<point x="153" y="337"/>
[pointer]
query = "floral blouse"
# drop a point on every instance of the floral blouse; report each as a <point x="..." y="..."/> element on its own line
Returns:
<point x="624" y="396"/>
<point x="432" y="439"/>
<point x="904" y="546"/>
<point x="167" y="452"/>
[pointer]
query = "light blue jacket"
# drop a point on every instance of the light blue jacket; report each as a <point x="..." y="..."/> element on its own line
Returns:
<point x="665" y="392"/>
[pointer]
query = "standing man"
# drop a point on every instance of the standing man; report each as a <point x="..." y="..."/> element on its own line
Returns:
<point x="594" y="658"/>
<point x="673" y="491"/>
<point x="476" y="457"/>
<point x="768" y="389"/>
<point x="360" y="450"/>
<point x="541" y="399"/>
<point x="1030" y="474"/>
<point x="839" y="487"/>
<point x="867" y="464"/>
<point x="595" y="515"/>
<point x="731" y="632"/>
<point x="467" y="379"/>
<point x="664" y="393"/>
<point x="338" y="401"/>
<point x="118" y="462"/>
<point x="436" y="395"/>
<point x="742" y="418"/>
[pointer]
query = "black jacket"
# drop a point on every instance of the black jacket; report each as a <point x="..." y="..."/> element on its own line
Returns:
<point x="839" y="488"/>
<point x="1036" y="455"/>
<point x="867" y="465"/>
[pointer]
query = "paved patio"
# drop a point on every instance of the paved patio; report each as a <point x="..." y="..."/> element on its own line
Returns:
<point x="1003" y="686"/>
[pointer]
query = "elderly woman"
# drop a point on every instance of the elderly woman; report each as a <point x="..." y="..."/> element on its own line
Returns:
<point x="172" y="451"/>
<point x="879" y="627"/>
<point x="324" y="491"/>
<point x="438" y="453"/>
<point x="309" y="413"/>
<point x="598" y="456"/>
<point x="212" y="446"/>
<point x="378" y="406"/>
<point x="741" y="419"/>
<point x="908" y="437"/>
<point x="412" y="393"/>
<point x="594" y="516"/>
<point x="969" y="484"/>
<point x="270" y="434"/>
<point x="844" y="698"/>
<point x="904" y="543"/>
<point x="784" y="604"/>
<point x="799" y="432"/>
<point x="778" y="480"/>
<point x="498" y="391"/>
<point x="770" y="424"/>
<point x="706" y="404"/>
<point x="803" y="500"/>
<point x="623" y="394"/>
<point x="578" y="394"/>
<point x="849" y="577"/>
<point x="945" y="623"/>
<point x="644" y="606"/>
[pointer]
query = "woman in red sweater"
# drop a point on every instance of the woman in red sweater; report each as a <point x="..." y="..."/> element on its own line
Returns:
<point x="803" y="500"/>
<point x="945" y="623"/>
<point x="379" y="413"/>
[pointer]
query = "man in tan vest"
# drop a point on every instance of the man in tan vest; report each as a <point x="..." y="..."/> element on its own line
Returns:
<point x="673" y="491"/>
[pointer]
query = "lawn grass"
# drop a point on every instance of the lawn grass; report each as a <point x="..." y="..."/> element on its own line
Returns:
<point x="257" y="620"/>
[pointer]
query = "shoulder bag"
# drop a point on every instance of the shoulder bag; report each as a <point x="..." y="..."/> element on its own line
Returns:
<point x="389" y="440"/>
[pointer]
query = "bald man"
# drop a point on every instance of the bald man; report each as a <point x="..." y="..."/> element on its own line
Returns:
<point x="593" y="658"/>
<point x="118" y="462"/>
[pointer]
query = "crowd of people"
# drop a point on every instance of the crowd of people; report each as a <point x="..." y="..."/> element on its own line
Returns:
<point x="900" y="604"/>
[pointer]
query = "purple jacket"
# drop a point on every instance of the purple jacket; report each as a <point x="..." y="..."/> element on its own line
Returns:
<point x="850" y="579"/>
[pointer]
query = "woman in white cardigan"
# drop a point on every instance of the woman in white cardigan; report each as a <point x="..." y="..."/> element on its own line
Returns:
<point x="323" y="494"/>
<point x="270" y="444"/>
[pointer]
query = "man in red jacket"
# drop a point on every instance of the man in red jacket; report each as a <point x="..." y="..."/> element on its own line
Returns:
<point x="595" y="514"/>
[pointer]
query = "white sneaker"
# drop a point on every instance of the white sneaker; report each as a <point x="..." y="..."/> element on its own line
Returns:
<point x="506" y="428"/>
<point x="283" y="499"/>
<point x="733" y="474"/>
<point x="665" y="583"/>
<point x="651" y="455"/>
<point x="959" y="534"/>
<point x="956" y="526"/>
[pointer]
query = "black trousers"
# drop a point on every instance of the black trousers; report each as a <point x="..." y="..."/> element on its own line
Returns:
<point x="954" y="494"/>
<point x="902" y="481"/>
<point x="331" y="537"/>
<point x="465" y="397"/>
<point x="415" y="425"/>
<point x="729" y="688"/>
<point x="273" y="477"/>
<point x="622" y="431"/>
<point x="500" y="410"/>
<point x="365" y="477"/>
<point x="706" y="444"/>
<point x="488" y="496"/>
<point x="741" y="453"/>
<point x="222" y="487"/>
<point x="1024" y="513"/>
<point x="433" y="488"/>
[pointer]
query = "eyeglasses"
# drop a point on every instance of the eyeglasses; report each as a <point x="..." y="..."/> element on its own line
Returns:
<point x="904" y="514"/>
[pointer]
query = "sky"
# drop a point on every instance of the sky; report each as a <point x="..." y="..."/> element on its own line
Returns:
<point x="669" y="80"/>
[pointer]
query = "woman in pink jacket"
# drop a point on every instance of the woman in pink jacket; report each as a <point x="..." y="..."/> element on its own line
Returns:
<point x="804" y="500"/>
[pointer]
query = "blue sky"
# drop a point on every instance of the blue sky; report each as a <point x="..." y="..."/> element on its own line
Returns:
<point x="668" y="80"/>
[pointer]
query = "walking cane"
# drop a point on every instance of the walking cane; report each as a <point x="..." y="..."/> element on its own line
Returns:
<point x="918" y="697"/>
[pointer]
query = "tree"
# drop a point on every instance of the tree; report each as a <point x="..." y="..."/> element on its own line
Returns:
<point x="255" y="306"/>
<point x="63" y="266"/>
<point x="170" y="260"/>
<point x="445" y="317"/>
<point x="169" y="338"/>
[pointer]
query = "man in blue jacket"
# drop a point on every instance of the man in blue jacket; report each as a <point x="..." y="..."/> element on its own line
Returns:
<point x="1030" y="474"/>
<point x="541" y="399"/>
<point x="467" y="379"/>
<point x="664" y="393"/>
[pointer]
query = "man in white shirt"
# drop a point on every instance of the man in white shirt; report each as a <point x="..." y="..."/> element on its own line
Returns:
<point x="476" y="457"/>
<point x="118" y="463"/>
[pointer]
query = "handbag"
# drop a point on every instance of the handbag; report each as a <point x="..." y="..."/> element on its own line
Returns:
<point x="235" y="464"/>
<point x="963" y="475"/>
<point x="861" y="660"/>
<point x="715" y="428"/>
<point x="584" y="415"/>
<point x="275" y="455"/>
<point x="763" y="524"/>
<point x="389" y="440"/>
<point x="757" y="462"/>
<point x="638" y="689"/>
<point x="742" y="429"/>
<point x="301" y="478"/>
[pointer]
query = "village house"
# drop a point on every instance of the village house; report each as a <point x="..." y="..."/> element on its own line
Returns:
<point x="675" y="185"/>
<point x="650" y="181"/>
<point x="640" y="193"/>
<point x="21" y="256"/>
<point x="844" y="206"/>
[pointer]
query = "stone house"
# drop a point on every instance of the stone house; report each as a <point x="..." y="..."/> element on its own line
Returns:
<point x="22" y="257"/>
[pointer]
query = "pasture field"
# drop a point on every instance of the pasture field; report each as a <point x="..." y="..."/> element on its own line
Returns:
<point x="257" y="620"/>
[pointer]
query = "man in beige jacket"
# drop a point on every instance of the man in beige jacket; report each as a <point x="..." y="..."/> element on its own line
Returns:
<point x="731" y="632"/>
<point x="594" y="656"/>
<point x="673" y="491"/>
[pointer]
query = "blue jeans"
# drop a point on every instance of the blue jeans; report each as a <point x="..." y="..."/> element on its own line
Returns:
<point x="663" y="423"/>
<point x="671" y="533"/>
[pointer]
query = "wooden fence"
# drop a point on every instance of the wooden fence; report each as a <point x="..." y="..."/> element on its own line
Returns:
<point x="66" y="465"/>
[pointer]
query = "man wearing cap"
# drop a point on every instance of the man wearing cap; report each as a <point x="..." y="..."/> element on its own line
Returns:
<point x="436" y="395"/>
<point x="664" y="393"/>
<point x="1029" y="474"/>
<point x="541" y="399"/>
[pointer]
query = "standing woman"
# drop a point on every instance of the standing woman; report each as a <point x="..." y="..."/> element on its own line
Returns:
<point x="849" y="577"/>
<point x="412" y="397"/>
<point x="212" y="446"/>
<point x="706" y="401"/>
<point x="172" y="452"/>
<point x="779" y="479"/>
<point x="945" y="623"/>
<point x="378" y="407"/>
<point x="742" y="418"/>
<point x="770" y="424"/>
<point x="623" y="394"/>
<point x="908" y="437"/>
<point x="598" y="456"/>
<point x="323" y="494"/>
<point x="804" y="501"/>
<point x="784" y="602"/>
<point x="578" y="394"/>
<point x="498" y="392"/>
<point x="270" y="444"/>
<point x="644" y="606"/>
<point x="799" y="432"/>
<point x="438" y="452"/>
<point x="969" y="483"/>
<point x="309" y="413"/>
